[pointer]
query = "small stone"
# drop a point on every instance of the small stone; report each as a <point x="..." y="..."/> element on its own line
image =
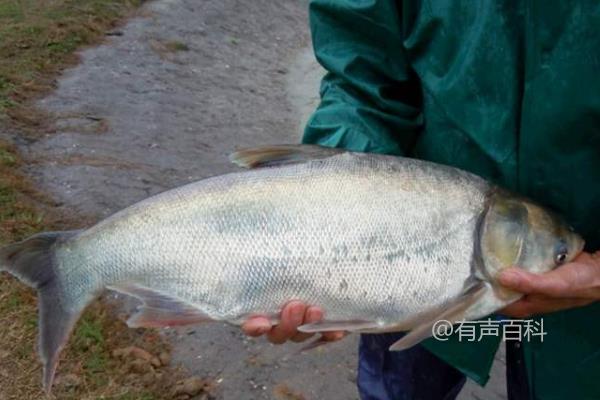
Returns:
<point x="284" y="392"/>
<point x="156" y="363"/>
<point x="141" y="354"/>
<point x="120" y="353"/>
<point x="165" y="358"/>
<point x="140" y="366"/>
<point x="191" y="386"/>
<point x="68" y="381"/>
<point x="148" y="378"/>
<point x="138" y="353"/>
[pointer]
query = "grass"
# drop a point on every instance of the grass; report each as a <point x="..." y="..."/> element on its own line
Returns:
<point x="174" y="45"/>
<point x="19" y="216"/>
<point x="38" y="39"/>
<point x="140" y="396"/>
<point x="166" y="49"/>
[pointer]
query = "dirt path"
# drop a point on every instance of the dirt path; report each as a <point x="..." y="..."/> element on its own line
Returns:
<point x="161" y="104"/>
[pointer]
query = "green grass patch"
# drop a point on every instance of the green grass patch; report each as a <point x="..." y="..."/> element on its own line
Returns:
<point x="11" y="9"/>
<point x="175" y="45"/>
<point x="89" y="332"/>
<point x="24" y="352"/>
<point x="39" y="38"/>
<point x="12" y="303"/>
<point x="134" y="396"/>
<point x="89" y="341"/>
<point x="7" y="158"/>
<point x="18" y="215"/>
<point x="95" y="362"/>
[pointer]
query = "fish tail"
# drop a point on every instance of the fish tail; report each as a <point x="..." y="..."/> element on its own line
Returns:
<point x="33" y="261"/>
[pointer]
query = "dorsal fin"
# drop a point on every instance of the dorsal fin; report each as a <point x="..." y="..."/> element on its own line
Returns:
<point x="268" y="156"/>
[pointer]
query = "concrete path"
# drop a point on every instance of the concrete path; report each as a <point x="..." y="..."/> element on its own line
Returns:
<point x="161" y="104"/>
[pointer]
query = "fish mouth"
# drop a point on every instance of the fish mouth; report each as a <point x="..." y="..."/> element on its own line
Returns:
<point x="581" y="246"/>
<point x="578" y="244"/>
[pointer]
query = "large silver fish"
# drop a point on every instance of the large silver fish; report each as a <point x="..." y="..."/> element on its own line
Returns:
<point x="381" y="243"/>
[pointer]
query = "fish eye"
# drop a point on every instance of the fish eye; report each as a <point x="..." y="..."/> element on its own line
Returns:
<point x="560" y="258"/>
<point x="562" y="251"/>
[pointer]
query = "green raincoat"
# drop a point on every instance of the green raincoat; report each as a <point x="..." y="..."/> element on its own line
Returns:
<point x="509" y="90"/>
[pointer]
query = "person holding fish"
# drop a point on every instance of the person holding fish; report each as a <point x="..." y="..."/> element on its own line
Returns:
<point x="509" y="91"/>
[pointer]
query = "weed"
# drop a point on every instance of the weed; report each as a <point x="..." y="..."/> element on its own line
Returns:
<point x="7" y="158"/>
<point x="175" y="45"/>
<point x="139" y="396"/>
<point x="89" y="332"/>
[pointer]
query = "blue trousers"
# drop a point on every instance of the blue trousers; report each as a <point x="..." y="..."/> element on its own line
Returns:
<point x="417" y="374"/>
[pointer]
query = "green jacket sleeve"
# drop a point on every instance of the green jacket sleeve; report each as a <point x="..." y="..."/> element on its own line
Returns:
<point x="370" y="98"/>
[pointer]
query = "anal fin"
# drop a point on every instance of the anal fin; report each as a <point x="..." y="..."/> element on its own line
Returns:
<point x="159" y="309"/>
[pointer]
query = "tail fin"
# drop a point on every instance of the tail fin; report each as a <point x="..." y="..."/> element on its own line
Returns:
<point x="33" y="262"/>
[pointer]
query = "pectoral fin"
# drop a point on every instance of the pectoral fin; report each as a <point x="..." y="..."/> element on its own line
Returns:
<point x="327" y="326"/>
<point x="159" y="309"/>
<point x="456" y="311"/>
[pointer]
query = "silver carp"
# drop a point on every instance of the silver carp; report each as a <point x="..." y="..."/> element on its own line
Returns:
<point x="381" y="243"/>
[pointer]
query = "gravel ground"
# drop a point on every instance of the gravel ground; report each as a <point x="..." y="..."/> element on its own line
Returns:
<point x="161" y="104"/>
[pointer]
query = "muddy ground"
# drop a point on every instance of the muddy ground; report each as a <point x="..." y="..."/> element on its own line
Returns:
<point x="161" y="104"/>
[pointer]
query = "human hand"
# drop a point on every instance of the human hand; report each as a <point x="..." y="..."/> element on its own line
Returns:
<point x="294" y="314"/>
<point x="575" y="284"/>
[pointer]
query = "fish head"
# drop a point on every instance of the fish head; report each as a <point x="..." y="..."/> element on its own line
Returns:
<point x="516" y="232"/>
